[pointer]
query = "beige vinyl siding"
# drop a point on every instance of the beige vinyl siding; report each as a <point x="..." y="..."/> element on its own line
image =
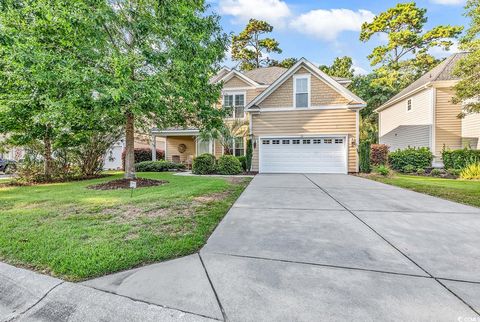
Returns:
<point x="397" y="116"/>
<point x="172" y="147"/>
<point x="235" y="82"/>
<point x="334" y="121"/>
<point x="321" y="93"/>
<point x="448" y="127"/>
<point x="471" y="130"/>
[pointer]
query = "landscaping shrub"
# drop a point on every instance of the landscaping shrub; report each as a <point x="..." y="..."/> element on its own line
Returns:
<point x="471" y="172"/>
<point x="408" y="168"/>
<point x="229" y="165"/>
<point x="435" y="172"/>
<point x="413" y="157"/>
<point x="364" y="155"/>
<point x="383" y="170"/>
<point x="420" y="171"/>
<point x="249" y="155"/>
<point x="143" y="154"/>
<point x="454" y="172"/>
<point x="378" y="154"/>
<point x="158" y="166"/>
<point x="243" y="162"/>
<point x="459" y="159"/>
<point x="204" y="164"/>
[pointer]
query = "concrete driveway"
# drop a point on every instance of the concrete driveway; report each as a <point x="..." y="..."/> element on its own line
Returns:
<point x="314" y="247"/>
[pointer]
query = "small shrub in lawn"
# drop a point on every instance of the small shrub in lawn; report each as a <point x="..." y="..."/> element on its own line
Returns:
<point x="420" y="171"/>
<point x="435" y="172"/>
<point x="471" y="172"/>
<point x="408" y="169"/>
<point x="379" y="154"/>
<point x="143" y="154"/>
<point x="158" y="166"/>
<point x="454" y="172"/>
<point x="383" y="170"/>
<point x="243" y="162"/>
<point x="204" y="164"/>
<point x="414" y="157"/>
<point x="459" y="159"/>
<point x="364" y="155"/>
<point x="229" y="165"/>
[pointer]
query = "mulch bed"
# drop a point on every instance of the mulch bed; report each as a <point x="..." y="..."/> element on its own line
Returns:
<point x="125" y="184"/>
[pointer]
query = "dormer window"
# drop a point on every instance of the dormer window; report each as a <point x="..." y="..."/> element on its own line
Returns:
<point x="301" y="86"/>
<point x="409" y="105"/>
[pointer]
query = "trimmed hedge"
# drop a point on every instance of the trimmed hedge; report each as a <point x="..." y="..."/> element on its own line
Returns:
<point x="379" y="154"/>
<point x="143" y="154"/>
<point x="459" y="159"/>
<point x="229" y="165"/>
<point x="243" y="162"/>
<point x="158" y="166"/>
<point x="364" y="156"/>
<point x="204" y="164"/>
<point x="410" y="158"/>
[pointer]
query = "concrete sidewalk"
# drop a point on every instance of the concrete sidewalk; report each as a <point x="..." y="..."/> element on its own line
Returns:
<point x="292" y="248"/>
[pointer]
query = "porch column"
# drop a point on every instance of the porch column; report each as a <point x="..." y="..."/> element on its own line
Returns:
<point x="154" y="147"/>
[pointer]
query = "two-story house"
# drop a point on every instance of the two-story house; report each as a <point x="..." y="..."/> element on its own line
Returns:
<point x="300" y="121"/>
<point x="423" y="115"/>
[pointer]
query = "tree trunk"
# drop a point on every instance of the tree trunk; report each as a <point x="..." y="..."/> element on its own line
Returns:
<point x="47" y="156"/>
<point x="129" y="147"/>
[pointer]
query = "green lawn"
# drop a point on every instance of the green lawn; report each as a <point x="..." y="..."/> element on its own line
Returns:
<point x="70" y="231"/>
<point x="463" y="191"/>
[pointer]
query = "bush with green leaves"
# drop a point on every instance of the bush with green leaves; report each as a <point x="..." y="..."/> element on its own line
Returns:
<point x="143" y="154"/>
<point x="364" y="155"/>
<point x="158" y="166"/>
<point x="408" y="169"/>
<point x="204" y="164"/>
<point x="435" y="172"/>
<point x="229" y="165"/>
<point x="383" y="170"/>
<point x="414" y="158"/>
<point x="243" y="162"/>
<point x="471" y="172"/>
<point x="420" y="171"/>
<point x="459" y="159"/>
<point x="249" y="155"/>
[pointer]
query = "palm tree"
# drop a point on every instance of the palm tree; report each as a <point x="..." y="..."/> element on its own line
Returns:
<point x="227" y="133"/>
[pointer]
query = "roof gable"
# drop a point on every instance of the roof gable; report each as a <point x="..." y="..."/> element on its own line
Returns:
<point x="235" y="73"/>
<point x="303" y="63"/>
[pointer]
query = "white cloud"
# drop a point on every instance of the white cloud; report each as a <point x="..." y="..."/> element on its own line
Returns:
<point x="358" y="70"/>
<point x="440" y="53"/>
<point x="448" y="2"/>
<point x="328" y="24"/>
<point x="272" y="11"/>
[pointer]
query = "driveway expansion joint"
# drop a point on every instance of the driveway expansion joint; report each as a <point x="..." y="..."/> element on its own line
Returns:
<point x="322" y="265"/>
<point x="151" y="303"/>
<point x="213" y="288"/>
<point x="37" y="302"/>
<point x="391" y="244"/>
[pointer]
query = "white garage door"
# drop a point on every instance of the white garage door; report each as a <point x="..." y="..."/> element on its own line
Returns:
<point x="303" y="155"/>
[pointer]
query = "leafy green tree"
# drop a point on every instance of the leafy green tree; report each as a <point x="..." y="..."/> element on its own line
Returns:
<point x="145" y="62"/>
<point x="405" y="56"/>
<point x="249" y="48"/>
<point x="285" y="63"/>
<point x="226" y="133"/>
<point x="468" y="68"/>
<point x="341" y="67"/>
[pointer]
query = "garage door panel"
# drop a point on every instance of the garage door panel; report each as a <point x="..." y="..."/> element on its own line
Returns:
<point x="307" y="155"/>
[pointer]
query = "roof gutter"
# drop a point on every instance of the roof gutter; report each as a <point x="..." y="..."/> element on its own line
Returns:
<point x="416" y="90"/>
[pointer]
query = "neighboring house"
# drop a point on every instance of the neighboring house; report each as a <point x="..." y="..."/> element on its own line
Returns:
<point x="300" y="121"/>
<point x="423" y="115"/>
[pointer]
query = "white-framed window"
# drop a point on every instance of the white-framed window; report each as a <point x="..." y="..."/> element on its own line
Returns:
<point x="265" y="141"/>
<point x="295" y="141"/>
<point x="238" y="147"/>
<point x="301" y="91"/>
<point x="275" y="141"/>
<point x="285" y="141"/>
<point x="327" y="141"/>
<point x="234" y="104"/>
<point x="317" y="141"/>
<point x="409" y="105"/>
<point x="306" y="141"/>
<point x="338" y="141"/>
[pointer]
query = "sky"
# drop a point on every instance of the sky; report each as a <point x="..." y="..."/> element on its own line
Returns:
<point x="321" y="30"/>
